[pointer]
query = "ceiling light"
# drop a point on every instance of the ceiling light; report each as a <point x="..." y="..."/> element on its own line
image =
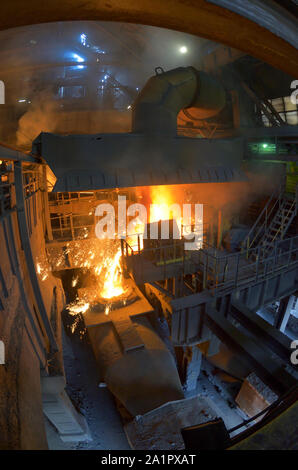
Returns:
<point x="78" y="58"/>
<point x="83" y="39"/>
<point x="183" y="49"/>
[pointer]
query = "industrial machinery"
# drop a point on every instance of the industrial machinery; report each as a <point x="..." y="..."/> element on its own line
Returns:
<point x="190" y="323"/>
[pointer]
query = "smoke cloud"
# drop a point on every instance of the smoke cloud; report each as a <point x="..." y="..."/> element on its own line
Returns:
<point x="130" y="55"/>
<point x="41" y="116"/>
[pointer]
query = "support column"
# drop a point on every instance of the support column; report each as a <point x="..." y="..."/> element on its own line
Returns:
<point x="178" y="286"/>
<point x="46" y="204"/>
<point x="225" y="305"/>
<point x="192" y="359"/>
<point x="284" y="312"/>
<point x="214" y="346"/>
<point x="26" y="245"/>
<point x="219" y="228"/>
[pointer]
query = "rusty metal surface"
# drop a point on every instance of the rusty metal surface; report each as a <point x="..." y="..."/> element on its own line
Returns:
<point x="267" y="14"/>
<point x="197" y="17"/>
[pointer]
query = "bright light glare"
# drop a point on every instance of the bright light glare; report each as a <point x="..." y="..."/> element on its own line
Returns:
<point x="183" y="49"/>
<point x="78" y="58"/>
<point x="83" y="39"/>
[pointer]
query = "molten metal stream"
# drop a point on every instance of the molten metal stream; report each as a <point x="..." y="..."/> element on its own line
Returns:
<point x="113" y="281"/>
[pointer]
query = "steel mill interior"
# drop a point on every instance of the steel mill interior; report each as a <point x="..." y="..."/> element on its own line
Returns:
<point x="148" y="225"/>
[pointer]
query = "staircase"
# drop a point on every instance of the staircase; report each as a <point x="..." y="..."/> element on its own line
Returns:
<point x="279" y="225"/>
<point x="273" y="222"/>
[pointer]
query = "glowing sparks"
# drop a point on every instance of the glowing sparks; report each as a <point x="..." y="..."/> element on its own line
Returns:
<point x="113" y="281"/>
<point x="97" y="270"/>
<point x="77" y="307"/>
<point x="136" y="234"/>
<point x="108" y="277"/>
<point x="107" y="309"/>
<point x="42" y="269"/>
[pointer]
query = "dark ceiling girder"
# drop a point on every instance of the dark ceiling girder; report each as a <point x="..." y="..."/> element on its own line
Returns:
<point x="40" y="67"/>
<point x="267" y="14"/>
<point x="272" y="116"/>
<point x="197" y="17"/>
<point x="117" y="40"/>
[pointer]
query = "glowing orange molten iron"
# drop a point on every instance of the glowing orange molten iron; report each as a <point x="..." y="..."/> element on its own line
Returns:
<point x="110" y="285"/>
<point x="162" y="200"/>
<point x="113" y="281"/>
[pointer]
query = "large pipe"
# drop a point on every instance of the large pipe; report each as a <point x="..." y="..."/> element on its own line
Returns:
<point x="156" y="108"/>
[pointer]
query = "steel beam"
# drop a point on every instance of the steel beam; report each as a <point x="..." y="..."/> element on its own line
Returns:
<point x="284" y="313"/>
<point x="267" y="14"/>
<point x="26" y="245"/>
<point x="267" y="334"/>
<point x="257" y="358"/>
<point x="9" y="153"/>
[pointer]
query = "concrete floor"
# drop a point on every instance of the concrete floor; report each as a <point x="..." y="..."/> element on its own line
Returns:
<point x="96" y="404"/>
<point x="222" y="395"/>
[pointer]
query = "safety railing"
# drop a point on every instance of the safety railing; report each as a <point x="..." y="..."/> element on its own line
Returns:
<point x="219" y="272"/>
<point x="262" y="223"/>
<point x="255" y="423"/>
<point x="33" y="183"/>
<point x="71" y="227"/>
<point x="286" y="218"/>
<point x="20" y="207"/>
<point x="163" y="254"/>
<point x="6" y="188"/>
<point x="223" y="273"/>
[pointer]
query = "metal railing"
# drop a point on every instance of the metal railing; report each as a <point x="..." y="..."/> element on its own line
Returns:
<point x="219" y="272"/>
<point x="262" y="224"/>
<point x="263" y="417"/>
<point x="223" y="273"/>
<point x="163" y="254"/>
<point x="32" y="179"/>
<point x="69" y="215"/>
<point x="67" y="227"/>
<point x="286" y="218"/>
<point x="6" y="188"/>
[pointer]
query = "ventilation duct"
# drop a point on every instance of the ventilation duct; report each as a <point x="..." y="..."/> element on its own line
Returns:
<point x="153" y="153"/>
<point x="165" y="94"/>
